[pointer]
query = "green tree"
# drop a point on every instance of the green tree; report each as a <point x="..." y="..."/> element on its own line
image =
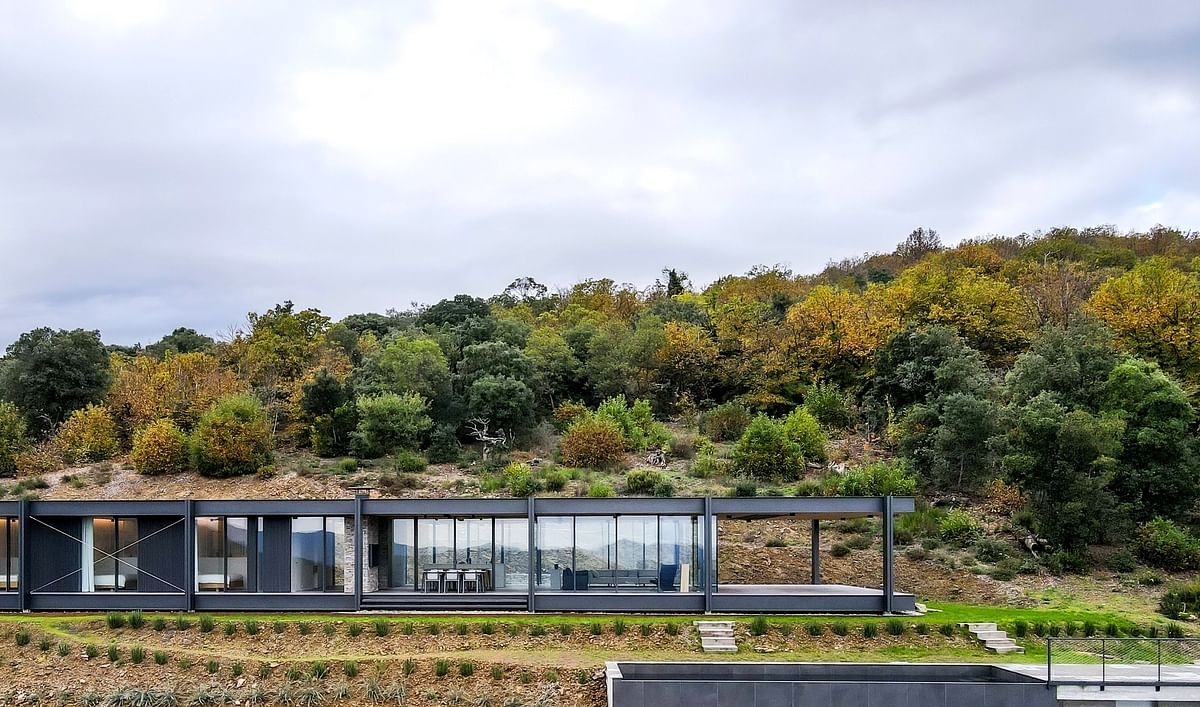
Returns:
<point x="1072" y="363"/>
<point x="232" y="438"/>
<point x="493" y="358"/>
<point x="803" y="429"/>
<point x="180" y="341"/>
<point x="328" y="408"/>
<point x="556" y="368"/>
<point x="765" y="452"/>
<point x="160" y="448"/>
<point x="1066" y="460"/>
<point x="389" y="423"/>
<point x="49" y="374"/>
<point x="406" y="365"/>
<point x="13" y="438"/>
<point x="507" y="403"/>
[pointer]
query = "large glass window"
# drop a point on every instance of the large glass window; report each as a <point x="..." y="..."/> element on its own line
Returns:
<point x="400" y="558"/>
<point x="678" y="538"/>
<point x="224" y="554"/>
<point x="114" y="554"/>
<point x="555" y="550"/>
<point x="318" y="561"/>
<point x="637" y="543"/>
<point x="595" y="543"/>
<point x="510" y="571"/>
<point x="10" y="560"/>
<point x="435" y="543"/>
<point x="473" y="541"/>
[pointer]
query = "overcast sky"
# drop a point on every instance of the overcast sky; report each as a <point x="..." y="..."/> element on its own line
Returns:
<point x="170" y="164"/>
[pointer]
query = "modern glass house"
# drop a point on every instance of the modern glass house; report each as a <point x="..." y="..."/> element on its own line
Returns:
<point x="538" y="554"/>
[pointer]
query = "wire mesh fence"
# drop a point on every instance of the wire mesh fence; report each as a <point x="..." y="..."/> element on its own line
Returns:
<point x="1123" y="661"/>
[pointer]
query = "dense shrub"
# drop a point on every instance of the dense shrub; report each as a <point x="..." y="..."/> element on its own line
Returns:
<point x="649" y="482"/>
<point x="519" y="480"/>
<point x="593" y="443"/>
<point x="891" y="478"/>
<point x="829" y="405"/>
<point x="683" y="446"/>
<point x="707" y="466"/>
<point x="407" y="461"/>
<point x="88" y="435"/>
<point x="765" y="452"/>
<point x="600" y="489"/>
<point x="232" y="438"/>
<point x="725" y="423"/>
<point x="803" y="429"/>
<point x="13" y="438"/>
<point x="990" y="550"/>
<point x="160" y="448"/>
<point x="959" y="527"/>
<point x="839" y="550"/>
<point x="443" y="445"/>
<point x="636" y="422"/>
<point x="744" y="489"/>
<point x="1069" y="562"/>
<point x="567" y="413"/>
<point x="1164" y="544"/>
<point x="555" y="479"/>
<point x="1180" y="601"/>
<point x="388" y="423"/>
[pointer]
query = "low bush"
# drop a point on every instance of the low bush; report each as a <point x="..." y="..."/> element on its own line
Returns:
<point x="406" y="461"/>
<point x="725" y="423"/>
<point x="649" y="482"/>
<point x="593" y="443"/>
<point x="815" y="628"/>
<point x="232" y="438"/>
<point x="115" y="620"/>
<point x="896" y="627"/>
<point x="840" y="628"/>
<point x="1166" y="545"/>
<point x="839" y="550"/>
<point x="870" y="629"/>
<point x="806" y="488"/>
<point x="519" y="479"/>
<point x="758" y="626"/>
<point x="959" y="527"/>
<point x="1180" y="601"/>
<point x="891" y="478"/>
<point x="1122" y="561"/>
<point x="829" y="405"/>
<point x="600" y="489"/>
<point x="161" y="657"/>
<point x="137" y="654"/>
<point x="1005" y="570"/>
<point x="744" y="489"/>
<point x="858" y="542"/>
<point x="683" y="446"/>
<point x="443" y="447"/>
<point x="22" y="637"/>
<point x="382" y="627"/>
<point x="159" y="448"/>
<point x="88" y="435"/>
<point x="707" y="466"/>
<point x="555" y="479"/>
<point x="916" y="553"/>
<point x="1069" y="562"/>
<point x="990" y="550"/>
<point x="946" y="630"/>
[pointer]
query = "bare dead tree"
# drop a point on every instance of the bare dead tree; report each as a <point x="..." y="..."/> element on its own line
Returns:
<point x="477" y="427"/>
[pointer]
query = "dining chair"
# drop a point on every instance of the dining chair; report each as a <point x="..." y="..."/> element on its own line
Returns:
<point x="452" y="581"/>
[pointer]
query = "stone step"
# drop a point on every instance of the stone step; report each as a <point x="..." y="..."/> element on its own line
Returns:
<point x="716" y="632"/>
<point x="713" y="624"/>
<point x="985" y="635"/>
<point x="721" y="649"/>
<point x="980" y="626"/>
<point x="719" y="642"/>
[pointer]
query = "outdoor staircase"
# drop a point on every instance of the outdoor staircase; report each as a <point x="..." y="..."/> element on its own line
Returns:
<point x="716" y="636"/>
<point x="993" y="639"/>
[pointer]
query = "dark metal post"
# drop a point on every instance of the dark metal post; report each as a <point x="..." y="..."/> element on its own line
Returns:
<point x="1049" y="652"/>
<point x="1103" y="663"/>
<point x="710" y="532"/>
<point x="1158" y="683"/>
<point x="358" y="550"/>
<point x="23" y="552"/>
<point x="532" y="539"/>
<point x="888" y="580"/>
<point x="189" y="555"/>
<point x="816" y="551"/>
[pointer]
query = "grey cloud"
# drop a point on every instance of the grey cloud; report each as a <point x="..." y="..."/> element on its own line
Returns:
<point x="154" y="176"/>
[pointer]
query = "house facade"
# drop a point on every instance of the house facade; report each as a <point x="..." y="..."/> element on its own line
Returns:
<point x="467" y="554"/>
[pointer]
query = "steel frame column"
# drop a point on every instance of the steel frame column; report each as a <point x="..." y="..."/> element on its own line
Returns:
<point x="816" y="551"/>
<point x="529" y="514"/>
<point x="889" y="520"/>
<point x="710" y="532"/>
<point x="23" y="551"/>
<point x="358" y="550"/>
<point x="189" y="555"/>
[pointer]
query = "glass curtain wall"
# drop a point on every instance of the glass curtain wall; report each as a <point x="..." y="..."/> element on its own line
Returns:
<point x="618" y="553"/>
<point x="473" y="542"/>
<point x="10" y="561"/>
<point x="400" y="555"/>
<point x="510" y="569"/>
<point x="225" y="553"/>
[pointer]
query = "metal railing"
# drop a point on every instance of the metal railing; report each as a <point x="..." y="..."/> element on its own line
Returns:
<point x="1132" y="662"/>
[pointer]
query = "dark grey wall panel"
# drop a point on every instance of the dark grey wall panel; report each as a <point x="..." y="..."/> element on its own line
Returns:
<point x="161" y="555"/>
<point x="246" y="601"/>
<point x="10" y="601"/>
<point x="274" y="569"/>
<point x="618" y="506"/>
<point x="55" y="551"/>
<point x="106" y="508"/>
<point x="807" y="603"/>
<point x="315" y="507"/>
<point x="108" y="601"/>
<point x="499" y="507"/>
<point x="648" y="602"/>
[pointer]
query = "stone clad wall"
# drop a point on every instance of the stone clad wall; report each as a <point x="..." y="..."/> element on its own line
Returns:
<point x="370" y="574"/>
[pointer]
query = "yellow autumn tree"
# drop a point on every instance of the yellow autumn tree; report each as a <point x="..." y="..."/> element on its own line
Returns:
<point x="1154" y="310"/>
<point x="180" y="388"/>
<point x="833" y="333"/>
<point x="687" y="360"/>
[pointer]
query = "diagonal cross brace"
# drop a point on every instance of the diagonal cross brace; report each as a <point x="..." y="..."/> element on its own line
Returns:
<point x="109" y="555"/>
